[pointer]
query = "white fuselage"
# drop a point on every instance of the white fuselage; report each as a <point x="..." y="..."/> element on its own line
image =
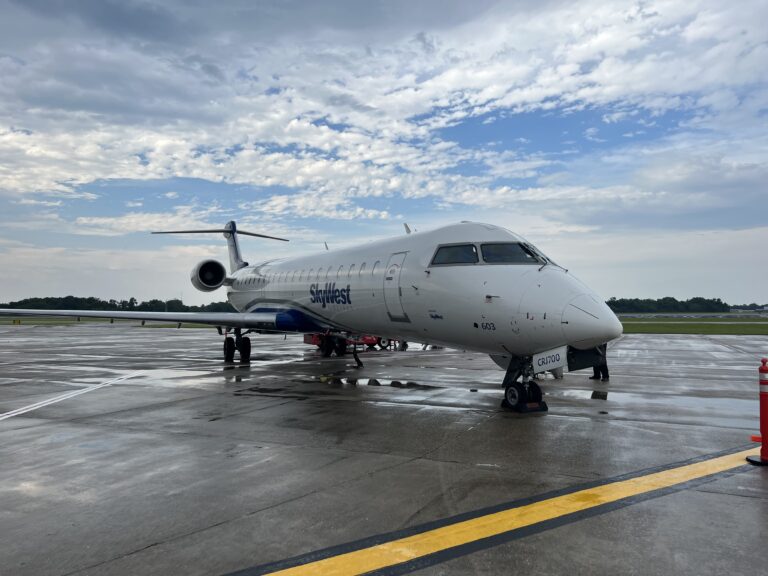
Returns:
<point x="391" y="288"/>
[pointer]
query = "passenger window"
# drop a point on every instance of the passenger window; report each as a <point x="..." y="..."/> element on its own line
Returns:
<point x="375" y="268"/>
<point x="351" y="271"/>
<point x="508" y="253"/>
<point x="362" y="269"/>
<point x="319" y="273"/>
<point x="340" y="272"/>
<point x="328" y="274"/>
<point x="456" y="254"/>
<point x="311" y="271"/>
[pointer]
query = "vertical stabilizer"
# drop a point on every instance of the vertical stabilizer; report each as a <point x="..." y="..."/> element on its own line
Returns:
<point x="235" y="258"/>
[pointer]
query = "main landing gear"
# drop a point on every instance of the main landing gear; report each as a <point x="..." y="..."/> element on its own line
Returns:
<point x="523" y="395"/>
<point x="239" y="343"/>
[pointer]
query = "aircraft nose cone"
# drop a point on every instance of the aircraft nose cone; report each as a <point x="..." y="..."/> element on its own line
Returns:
<point x="589" y="322"/>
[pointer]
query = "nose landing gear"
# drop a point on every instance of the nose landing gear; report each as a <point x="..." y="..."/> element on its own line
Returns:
<point x="525" y="395"/>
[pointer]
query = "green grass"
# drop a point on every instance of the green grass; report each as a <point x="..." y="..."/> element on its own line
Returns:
<point x="670" y="319"/>
<point x="698" y="327"/>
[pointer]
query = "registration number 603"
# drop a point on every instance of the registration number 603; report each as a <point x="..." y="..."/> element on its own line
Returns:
<point x="488" y="326"/>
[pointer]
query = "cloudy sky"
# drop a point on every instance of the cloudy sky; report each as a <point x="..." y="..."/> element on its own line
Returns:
<point x="628" y="140"/>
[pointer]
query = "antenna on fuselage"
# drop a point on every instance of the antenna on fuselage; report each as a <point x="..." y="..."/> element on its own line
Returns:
<point x="407" y="230"/>
<point x="326" y="245"/>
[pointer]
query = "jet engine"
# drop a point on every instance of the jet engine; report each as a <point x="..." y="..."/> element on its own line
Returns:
<point x="208" y="275"/>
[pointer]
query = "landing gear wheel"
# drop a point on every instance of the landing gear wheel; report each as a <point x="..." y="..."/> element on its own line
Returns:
<point x="383" y="343"/>
<point x="229" y="349"/>
<point x="515" y="396"/>
<point x="403" y="346"/>
<point x="326" y="346"/>
<point x="340" y="346"/>
<point x="245" y="350"/>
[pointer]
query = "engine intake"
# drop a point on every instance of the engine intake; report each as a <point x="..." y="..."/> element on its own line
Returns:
<point x="208" y="275"/>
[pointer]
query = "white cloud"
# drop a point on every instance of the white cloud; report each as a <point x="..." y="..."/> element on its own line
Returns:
<point x="112" y="109"/>
<point x="682" y="264"/>
<point x="183" y="217"/>
<point x="143" y="274"/>
<point x="33" y="202"/>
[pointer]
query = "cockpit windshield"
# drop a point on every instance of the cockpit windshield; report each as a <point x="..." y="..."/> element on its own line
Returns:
<point x="455" y="254"/>
<point x="510" y="253"/>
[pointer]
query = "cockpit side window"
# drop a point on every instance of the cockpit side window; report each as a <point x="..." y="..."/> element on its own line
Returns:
<point x="455" y="254"/>
<point x="509" y="253"/>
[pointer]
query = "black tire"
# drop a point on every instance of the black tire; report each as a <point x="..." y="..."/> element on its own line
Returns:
<point x="403" y="346"/>
<point x="326" y="346"/>
<point x="229" y="349"/>
<point x="371" y="347"/>
<point x="245" y="349"/>
<point x="515" y="395"/>
<point x="340" y="346"/>
<point x="383" y="343"/>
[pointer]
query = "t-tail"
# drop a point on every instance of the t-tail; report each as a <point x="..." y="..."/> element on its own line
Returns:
<point x="230" y="232"/>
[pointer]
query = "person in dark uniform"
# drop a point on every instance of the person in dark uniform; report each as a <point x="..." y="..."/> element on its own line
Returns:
<point x="600" y="372"/>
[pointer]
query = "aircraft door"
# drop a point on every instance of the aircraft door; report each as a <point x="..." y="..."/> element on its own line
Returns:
<point x="392" y="291"/>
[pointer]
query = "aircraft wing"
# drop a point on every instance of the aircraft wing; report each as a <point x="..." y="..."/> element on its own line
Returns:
<point x="257" y="320"/>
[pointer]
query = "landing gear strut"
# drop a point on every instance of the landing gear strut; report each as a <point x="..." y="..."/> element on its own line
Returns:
<point x="525" y="395"/>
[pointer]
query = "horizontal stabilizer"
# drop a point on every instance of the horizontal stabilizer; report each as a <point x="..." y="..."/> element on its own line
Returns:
<point x="221" y="231"/>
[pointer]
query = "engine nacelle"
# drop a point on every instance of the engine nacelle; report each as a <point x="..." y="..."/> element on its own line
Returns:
<point x="208" y="275"/>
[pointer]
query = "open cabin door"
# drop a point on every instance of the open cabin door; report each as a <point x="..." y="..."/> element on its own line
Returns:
<point x="392" y="291"/>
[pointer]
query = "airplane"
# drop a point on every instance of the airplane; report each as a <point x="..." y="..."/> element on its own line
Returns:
<point x="468" y="285"/>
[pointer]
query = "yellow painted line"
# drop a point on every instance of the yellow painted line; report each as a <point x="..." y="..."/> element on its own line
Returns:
<point x="460" y="533"/>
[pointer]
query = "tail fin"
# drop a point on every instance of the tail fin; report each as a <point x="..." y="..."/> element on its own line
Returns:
<point x="230" y="232"/>
<point x="235" y="258"/>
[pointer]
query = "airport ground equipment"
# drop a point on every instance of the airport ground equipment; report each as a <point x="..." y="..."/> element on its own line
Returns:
<point x="762" y="460"/>
<point x="364" y="340"/>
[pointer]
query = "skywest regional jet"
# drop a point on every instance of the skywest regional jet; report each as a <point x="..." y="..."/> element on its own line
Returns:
<point x="468" y="285"/>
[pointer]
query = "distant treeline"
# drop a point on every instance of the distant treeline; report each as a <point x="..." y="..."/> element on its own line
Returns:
<point x="667" y="304"/>
<point x="77" y="303"/>
<point x="618" y="305"/>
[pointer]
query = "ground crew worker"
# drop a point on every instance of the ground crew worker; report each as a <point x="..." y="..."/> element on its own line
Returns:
<point x="600" y="371"/>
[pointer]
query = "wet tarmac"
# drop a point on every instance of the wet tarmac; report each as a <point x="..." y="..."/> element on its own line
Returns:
<point x="128" y="450"/>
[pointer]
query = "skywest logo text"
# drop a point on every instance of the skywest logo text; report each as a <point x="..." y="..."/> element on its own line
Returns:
<point x="330" y="294"/>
